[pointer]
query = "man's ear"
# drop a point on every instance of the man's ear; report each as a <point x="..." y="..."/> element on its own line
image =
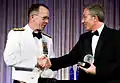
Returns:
<point x="32" y="16"/>
<point x="95" y="17"/>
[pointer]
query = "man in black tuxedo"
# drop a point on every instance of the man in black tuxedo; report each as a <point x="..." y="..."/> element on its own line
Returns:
<point x="104" y="46"/>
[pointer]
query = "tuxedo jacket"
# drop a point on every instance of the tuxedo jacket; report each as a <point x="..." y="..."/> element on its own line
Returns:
<point x="22" y="51"/>
<point x="107" y="57"/>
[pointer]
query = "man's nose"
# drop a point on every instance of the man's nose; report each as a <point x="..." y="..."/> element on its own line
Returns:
<point x="46" y="21"/>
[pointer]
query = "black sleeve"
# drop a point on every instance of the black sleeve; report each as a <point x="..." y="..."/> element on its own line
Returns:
<point x="68" y="59"/>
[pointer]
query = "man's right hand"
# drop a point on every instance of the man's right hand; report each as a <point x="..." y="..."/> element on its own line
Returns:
<point x="44" y="62"/>
<point x="48" y="63"/>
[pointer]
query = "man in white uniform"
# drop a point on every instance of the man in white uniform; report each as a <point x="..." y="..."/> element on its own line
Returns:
<point x="25" y="47"/>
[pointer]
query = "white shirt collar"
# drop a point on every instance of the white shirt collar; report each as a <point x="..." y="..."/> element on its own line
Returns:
<point x="100" y="29"/>
<point x="27" y="27"/>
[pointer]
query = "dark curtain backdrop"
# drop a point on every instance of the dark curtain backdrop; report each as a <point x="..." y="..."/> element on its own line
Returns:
<point x="64" y="25"/>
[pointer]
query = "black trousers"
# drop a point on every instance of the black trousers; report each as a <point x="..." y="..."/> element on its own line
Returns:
<point x="16" y="81"/>
<point x="47" y="80"/>
<point x="41" y="80"/>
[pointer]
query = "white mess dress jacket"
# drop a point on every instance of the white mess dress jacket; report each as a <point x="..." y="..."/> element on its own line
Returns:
<point x="22" y="51"/>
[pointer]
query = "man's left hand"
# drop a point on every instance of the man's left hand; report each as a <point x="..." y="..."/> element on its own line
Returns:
<point x="90" y="70"/>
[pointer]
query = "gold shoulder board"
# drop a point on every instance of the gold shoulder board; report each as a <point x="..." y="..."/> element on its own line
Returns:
<point x="18" y="29"/>
<point x="46" y="34"/>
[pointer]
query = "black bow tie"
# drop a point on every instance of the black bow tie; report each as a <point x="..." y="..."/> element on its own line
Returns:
<point x="95" y="33"/>
<point x="37" y="34"/>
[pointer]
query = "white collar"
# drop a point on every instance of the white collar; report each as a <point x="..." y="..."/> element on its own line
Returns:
<point x="100" y="29"/>
<point x="27" y="27"/>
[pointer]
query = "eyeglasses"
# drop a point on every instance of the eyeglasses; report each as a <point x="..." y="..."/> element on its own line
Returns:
<point x="85" y="16"/>
<point x="43" y="18"/>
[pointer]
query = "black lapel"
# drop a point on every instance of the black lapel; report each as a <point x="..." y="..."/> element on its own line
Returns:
<point x="101" y="41"/>
<point x="87" y="43"/>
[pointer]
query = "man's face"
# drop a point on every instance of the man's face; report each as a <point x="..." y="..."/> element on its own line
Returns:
<point x="41" y="19"/>
<point x="88" y="20"/>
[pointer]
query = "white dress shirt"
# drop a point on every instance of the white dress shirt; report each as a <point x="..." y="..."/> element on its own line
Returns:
<point x="95" y="39"/>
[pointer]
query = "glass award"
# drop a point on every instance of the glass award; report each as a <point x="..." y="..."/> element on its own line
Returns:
<point x="86" y="61"/>
<point x="46" y="73"/>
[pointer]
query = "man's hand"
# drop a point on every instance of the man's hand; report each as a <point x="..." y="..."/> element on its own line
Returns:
<point x="90" y="70"/>
<point x="48" y="63"/>
<point x="41" y="62"/>
<point x="44" y="62"/>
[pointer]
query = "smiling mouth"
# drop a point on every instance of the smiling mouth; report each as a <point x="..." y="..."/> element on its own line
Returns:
<point x="43" y="26"/>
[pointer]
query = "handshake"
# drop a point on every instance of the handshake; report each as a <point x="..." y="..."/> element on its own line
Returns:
<point x="43" y="62"/>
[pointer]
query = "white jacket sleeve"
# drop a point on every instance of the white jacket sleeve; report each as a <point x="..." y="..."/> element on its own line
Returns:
<point x="12" y="52"/>
<point x="51" y="54"/>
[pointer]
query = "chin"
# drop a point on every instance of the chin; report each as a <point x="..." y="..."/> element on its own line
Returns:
<point x="42" y="28"/>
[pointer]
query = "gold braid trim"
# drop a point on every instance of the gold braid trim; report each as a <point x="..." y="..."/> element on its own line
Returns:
<point x="18" y="29"/>
<point x="46" y="34"/>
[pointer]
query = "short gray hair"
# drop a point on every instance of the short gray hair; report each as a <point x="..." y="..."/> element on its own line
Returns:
<point x="98" y="10"/>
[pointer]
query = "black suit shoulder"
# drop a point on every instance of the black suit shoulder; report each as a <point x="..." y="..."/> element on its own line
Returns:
<point x="85" y="35"/>
<point x="109" y="29"/>
<point x="111" y="33"/>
